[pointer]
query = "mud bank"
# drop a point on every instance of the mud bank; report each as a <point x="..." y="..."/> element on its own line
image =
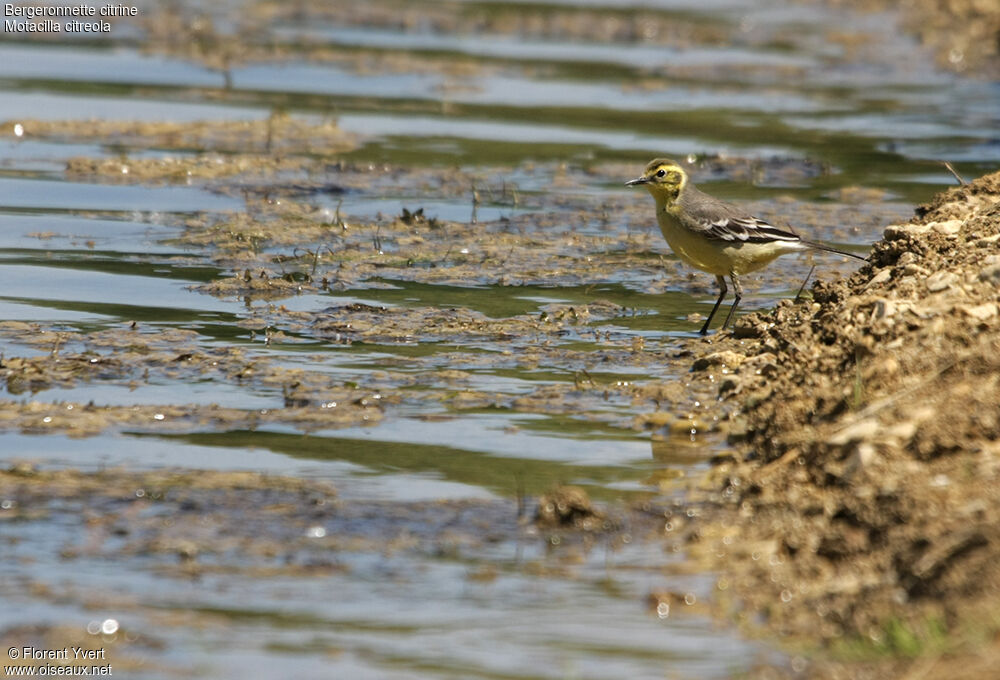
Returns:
<point x="858" y="514"/>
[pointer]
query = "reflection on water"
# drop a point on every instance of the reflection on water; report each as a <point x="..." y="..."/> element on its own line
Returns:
<point x="549" y="127"/>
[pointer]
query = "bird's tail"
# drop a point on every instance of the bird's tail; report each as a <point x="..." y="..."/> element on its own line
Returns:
<point x="815" y="245"/>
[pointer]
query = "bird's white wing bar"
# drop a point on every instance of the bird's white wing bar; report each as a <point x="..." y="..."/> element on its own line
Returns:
<point x="749" y="229"/>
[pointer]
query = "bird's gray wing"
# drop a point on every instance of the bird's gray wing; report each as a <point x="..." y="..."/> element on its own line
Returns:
<point x="718" y="220"/>
<point x="747" y="229"/>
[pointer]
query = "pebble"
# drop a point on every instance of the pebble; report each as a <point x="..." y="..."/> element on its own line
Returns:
<point x="727" y="358"/>
<point x="894" y="232"/>
<point x="914" y="270"/>
<point x="948" y="228"/>
<point x="940" y="281"/>
<point x="730" y="387"/>
<point x="902" y="432"/>
<point x="990" y="274"/>
<point x="980" y="312"/>
<point x="883" y="309"/>
<point x="863" y="429"/>
<point x="880" y="278"/>
<point x="889" y="366"/>
<point x="864" y="455"/>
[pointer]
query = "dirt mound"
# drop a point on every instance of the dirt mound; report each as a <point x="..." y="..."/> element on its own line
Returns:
<point x="863" y="510"/>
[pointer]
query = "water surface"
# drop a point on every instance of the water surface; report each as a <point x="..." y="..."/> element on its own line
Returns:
<point x="838" y="132"/>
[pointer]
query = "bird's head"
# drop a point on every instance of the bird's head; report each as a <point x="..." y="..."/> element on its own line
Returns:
<point x="663" y="178"/>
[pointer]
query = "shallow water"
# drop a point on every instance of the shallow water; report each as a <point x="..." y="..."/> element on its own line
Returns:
<point x="549" y="120"/>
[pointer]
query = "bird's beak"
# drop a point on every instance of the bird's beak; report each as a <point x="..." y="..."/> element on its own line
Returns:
<point x="636" y="181"/>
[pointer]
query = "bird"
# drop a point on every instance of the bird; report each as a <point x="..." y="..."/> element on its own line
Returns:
<point x="715" y="236"/>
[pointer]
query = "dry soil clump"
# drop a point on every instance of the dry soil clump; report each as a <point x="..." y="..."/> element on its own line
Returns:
<point x="862" y="507"/>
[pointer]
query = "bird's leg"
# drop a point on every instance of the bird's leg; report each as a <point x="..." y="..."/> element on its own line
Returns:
<point x="738" y="290"/>
<point x="722" y="293"/>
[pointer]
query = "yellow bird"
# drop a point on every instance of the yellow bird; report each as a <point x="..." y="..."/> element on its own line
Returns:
<point x="715" y="236"/>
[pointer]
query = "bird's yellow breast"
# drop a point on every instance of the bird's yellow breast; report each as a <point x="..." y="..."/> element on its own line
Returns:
<point x="722" y="258"/>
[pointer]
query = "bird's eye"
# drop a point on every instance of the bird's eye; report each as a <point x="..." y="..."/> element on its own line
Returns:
<point x="661" y="172"/>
